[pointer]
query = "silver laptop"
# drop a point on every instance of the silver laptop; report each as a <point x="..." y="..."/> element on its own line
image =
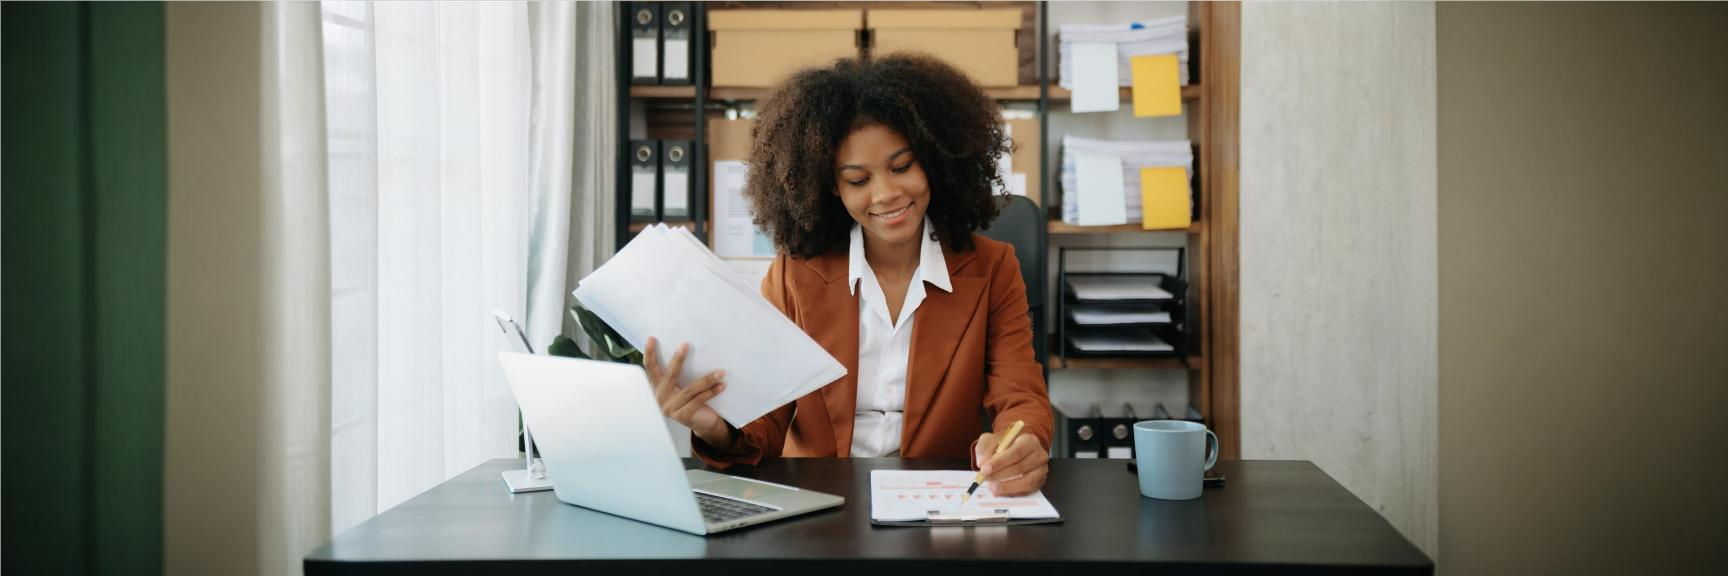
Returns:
<point x="605" y="446"/>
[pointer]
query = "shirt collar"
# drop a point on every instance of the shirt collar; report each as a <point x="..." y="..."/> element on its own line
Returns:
<point x="932" y="265"/>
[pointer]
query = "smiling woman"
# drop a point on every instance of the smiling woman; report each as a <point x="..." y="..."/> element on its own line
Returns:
<point x="879" y="173"/>
<point x="950" y="129"/>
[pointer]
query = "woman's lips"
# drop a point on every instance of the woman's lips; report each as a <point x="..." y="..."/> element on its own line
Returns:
<point x="896" y="215"/>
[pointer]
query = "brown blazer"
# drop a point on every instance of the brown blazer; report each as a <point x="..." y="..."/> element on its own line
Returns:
<point x="971" y="353"/>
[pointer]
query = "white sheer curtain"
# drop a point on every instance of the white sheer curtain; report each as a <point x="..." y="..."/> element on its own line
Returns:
<point x="450" y="128"/>
<point x="595" y="140"/>
<point x="247" y="477"/>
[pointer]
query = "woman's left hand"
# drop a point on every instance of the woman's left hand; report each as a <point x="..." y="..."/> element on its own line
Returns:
<point x="1017" y="471"/>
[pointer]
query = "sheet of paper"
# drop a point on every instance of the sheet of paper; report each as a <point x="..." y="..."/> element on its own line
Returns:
<point x="644" y="55"/>
<point x="735" y="235"/>
<point x="1096" y="78"/>
<point x="1157" y="90"/>
<point x="676" y="189"/>
<point x="1107" y="315"/>
<point x="642" y="192"/>
<point x="750" y="270"/>
<point x="1139" y="287"/>
<point x="1017" y="183"/>
<point x="677" y="63"/>
<point x="1102" y="343"/>
<point x="910" y="495"/>
<point x="664" y="283"/>
<point x="693" y="248"/>
<point x="1164" y="199"/>
<point x="1099" y="178"/>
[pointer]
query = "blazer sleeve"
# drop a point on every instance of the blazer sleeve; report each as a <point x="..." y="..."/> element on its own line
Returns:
<point x="766" y="436"/>
<point x="1013" y="380"/>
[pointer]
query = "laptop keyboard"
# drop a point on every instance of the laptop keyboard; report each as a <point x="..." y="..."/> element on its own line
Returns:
<point x="718" y="509"/>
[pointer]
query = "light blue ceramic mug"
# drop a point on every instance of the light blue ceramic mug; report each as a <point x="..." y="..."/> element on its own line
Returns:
<point x="1172" y="458"/>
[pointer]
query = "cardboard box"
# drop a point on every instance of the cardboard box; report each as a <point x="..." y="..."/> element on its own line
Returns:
<point x="759" y="48"/>
<point x="1027" y="142"/>
<point x="727" y="140"/>
<point x="981" y="43"/>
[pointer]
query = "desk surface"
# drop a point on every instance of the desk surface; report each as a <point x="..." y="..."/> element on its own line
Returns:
<point x="1271" y="517"/>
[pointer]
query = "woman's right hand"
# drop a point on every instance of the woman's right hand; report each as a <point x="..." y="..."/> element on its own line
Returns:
<point x="687" y="404"/>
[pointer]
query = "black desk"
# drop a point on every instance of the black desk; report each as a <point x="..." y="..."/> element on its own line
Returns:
<point x="1272" y="517"/>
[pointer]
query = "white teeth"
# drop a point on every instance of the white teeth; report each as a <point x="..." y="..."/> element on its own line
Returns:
<point x="894" y="214"/>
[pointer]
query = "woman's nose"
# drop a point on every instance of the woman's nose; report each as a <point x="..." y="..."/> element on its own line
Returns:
<point x="886" y="192"/>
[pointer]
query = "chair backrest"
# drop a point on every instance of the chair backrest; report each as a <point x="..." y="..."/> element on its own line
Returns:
<point x="1021" y="224"/>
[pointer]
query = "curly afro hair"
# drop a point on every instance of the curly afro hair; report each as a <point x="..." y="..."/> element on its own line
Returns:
<point x="953" y="127"/>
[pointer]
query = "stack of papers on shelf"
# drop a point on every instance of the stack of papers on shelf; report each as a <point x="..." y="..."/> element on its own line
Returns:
<point x="1082" y="155"/>
<point x="1111" y="342"/>
<point x="1103" y="288"/>
<point x="1160" y="36"/>
<point x="1116" y="314"/>
<point x="666" y="284"/>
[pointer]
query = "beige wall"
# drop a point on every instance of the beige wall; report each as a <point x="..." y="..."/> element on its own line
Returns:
<point x="1338" y="269"/>
<point x="1583" y="270"/>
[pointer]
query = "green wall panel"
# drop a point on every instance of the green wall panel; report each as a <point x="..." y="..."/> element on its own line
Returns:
<point x="84" y="231"/>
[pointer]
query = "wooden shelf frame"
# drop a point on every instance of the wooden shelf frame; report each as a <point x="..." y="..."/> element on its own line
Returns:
<point x="1060" y="227"/>
<point x="1190" y="93"/>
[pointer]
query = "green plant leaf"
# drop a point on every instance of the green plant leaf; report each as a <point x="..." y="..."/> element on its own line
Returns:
<point x="606" y="340"/>
<point x="563" y="346"/>
<point x="594" y="328"/>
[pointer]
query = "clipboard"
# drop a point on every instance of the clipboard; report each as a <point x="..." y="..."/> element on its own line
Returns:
<point x="938" y="518"/>
<point x="930" y="498"/>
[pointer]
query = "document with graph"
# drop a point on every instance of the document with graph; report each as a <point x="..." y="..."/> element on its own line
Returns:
<point x="932" y="498"/>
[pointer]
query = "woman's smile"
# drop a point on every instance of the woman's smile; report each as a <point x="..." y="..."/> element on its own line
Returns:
<point x="896" y="216"/>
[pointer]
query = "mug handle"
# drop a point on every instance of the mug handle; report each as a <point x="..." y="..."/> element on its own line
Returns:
<point x="1212" y="440"/>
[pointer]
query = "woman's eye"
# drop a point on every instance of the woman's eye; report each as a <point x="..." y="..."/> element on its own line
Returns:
<point x="903" y="169"/>
<point x="857" y="182"/>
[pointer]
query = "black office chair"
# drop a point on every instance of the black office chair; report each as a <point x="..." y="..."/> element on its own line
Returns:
<point x="1021" y="223"/>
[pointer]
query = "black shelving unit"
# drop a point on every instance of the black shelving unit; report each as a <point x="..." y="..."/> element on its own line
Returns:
<point x="628" y="103"/>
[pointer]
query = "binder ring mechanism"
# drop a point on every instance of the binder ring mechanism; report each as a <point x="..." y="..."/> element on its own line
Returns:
<point x="997" y="516"/>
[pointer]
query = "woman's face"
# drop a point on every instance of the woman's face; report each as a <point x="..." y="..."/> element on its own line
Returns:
<point x="882" y="184"/>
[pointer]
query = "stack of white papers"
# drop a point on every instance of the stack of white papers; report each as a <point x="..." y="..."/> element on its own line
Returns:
<point x="666" y="284"/>
<point x="1090" y="192"/>
<point x="1160" y="36"/>
<point x="1106" y="288"/>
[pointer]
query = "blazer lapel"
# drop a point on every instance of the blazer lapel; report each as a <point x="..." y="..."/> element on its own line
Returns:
<point x="832" y="320"/>
<point x="940" y="322"/>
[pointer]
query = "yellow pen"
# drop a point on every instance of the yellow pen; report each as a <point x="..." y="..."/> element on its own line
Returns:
<point x="1000" y="446"/>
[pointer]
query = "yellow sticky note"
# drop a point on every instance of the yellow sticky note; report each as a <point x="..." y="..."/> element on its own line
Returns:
<point x="1164" y="199"/>
<point x="1156" y="86"/>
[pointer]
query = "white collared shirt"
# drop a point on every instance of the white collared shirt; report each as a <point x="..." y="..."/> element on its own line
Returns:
<point x="884" y="347"/>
